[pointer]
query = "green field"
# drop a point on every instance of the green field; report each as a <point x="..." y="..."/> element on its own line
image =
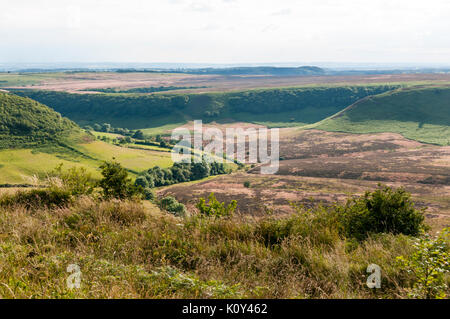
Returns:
<point x="18" y="165"/>
<point x="22" y="79"/>
<point x="421" y="114"/>
<point x="136" y="160"/>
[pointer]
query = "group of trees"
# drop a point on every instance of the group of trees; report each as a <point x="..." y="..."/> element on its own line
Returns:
<point x="108" y="128"/>
<point x="208" y="106"/>
<point x="290" y="99"/>
<point x="180" y="172"/>
<point x="98" y="107"/>
<point x="150" y="89"/>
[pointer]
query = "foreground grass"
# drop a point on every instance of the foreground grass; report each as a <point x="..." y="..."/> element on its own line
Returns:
<point x="127" y="250"/>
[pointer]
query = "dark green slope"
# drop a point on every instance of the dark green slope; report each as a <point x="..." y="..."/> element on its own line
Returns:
<point x="25" y="123"/>
<point x="421" y="114"/>
<point x="283" y="106"/>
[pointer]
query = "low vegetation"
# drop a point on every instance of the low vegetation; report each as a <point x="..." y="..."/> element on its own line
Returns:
<point x="128" y="249"/>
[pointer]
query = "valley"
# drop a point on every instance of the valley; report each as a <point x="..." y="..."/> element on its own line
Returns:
<point x="343" y="141"/>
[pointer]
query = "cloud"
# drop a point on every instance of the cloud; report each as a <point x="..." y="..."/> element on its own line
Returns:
<point x="282" y="12"/>
<point x="225" y="30"/>
<point x="200" y="6"/>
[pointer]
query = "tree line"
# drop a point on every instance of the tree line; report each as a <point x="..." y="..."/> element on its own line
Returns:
<point x="180" y="172"/>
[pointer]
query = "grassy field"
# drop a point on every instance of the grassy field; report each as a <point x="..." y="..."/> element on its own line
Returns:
<point x="133" y="159"/>
<point x="421" y="114"/>
<point x="108" y="135"/>
<point x="28" y="79"/>
<point x="16" y="166"/>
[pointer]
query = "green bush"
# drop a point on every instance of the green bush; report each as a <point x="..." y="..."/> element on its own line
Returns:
<point x="170" y="204"/>
<point x="75" y="180"/>
<point x="149" y="194"/>
<point x="116" y="183"/>
<point x="383" y="211"/>
<point x="215" y="208"/>
<point x="247" y="184"/>
<point x="429" y="263"/>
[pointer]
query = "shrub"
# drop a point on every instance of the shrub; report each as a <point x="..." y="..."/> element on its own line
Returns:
<point x="170" y="204"/>
<point x="149" y="194"/>
<point x="215" y="208"/>
<point x="318" y="226"/>
<point x="116" y="183"/>
<point x="429" y="263"/>
<point x="37" y="198"/>
<point x="75" y="180"/>
<point x="247" y="184"/>
<point x="141" y="181"/>
<point x="383" y="211"/>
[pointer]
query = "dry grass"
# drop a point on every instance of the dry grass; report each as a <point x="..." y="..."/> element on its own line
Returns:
<point x="130" y="250"/>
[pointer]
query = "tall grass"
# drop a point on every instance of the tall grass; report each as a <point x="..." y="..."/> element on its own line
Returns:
<point x="127" y="251"/>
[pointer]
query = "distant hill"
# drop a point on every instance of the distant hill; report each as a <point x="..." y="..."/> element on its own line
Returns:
<point x="245" y="70"/>
<point x="25" y="122"/>
<point x="422" y="114"/>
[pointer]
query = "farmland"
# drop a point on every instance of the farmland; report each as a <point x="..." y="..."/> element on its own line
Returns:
<point x="81" y="82"/>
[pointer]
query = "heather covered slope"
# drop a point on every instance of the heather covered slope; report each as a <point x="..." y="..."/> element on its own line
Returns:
<point x="422" y="114"/>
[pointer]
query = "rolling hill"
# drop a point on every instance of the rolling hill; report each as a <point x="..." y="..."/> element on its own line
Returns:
<point x="421" y="114"/>
<point x="25" y="123"/>
<point x="34" y="139"/>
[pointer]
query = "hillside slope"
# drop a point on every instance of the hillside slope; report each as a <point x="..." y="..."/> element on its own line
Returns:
<point x="34" y="139"/>
<point x="272" y="107"/>
<point x="25" y="123"/>
<point x="422" y="114"/>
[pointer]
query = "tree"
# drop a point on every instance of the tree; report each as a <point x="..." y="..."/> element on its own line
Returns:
<point x="97" y="127"/>
<point x="200" y="170"/>
<point x="106" y="127"/>
<point x="141" y="181"/>
<point x="139" y="135"/>
<point x="385" y="210"/>
<point x="115" y="182"/>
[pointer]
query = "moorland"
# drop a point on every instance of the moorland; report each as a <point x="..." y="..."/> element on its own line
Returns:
<point x="346" y="142"/>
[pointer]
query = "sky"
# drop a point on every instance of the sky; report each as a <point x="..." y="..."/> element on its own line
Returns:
<point x="225" y="31"/>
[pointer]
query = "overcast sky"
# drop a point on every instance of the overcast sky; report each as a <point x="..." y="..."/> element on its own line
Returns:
<point x="225" y="31"/>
